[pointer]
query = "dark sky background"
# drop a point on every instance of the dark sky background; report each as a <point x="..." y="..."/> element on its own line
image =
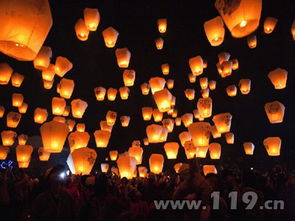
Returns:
<point x="95" y="65"/>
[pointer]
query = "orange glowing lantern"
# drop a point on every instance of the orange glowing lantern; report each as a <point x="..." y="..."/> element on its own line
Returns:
<point x="136" y="152"/>
<point x="157" y="115"/>
<point x="71" y="124"/>
<point x="78" y="107"/>
<point x="13" y="119"/>
<point x="43" y="155"/>
<point x="156" y="163"/>
<point x="2" y="111"/>
<point x="214" y="30"/>
<point x="235" y="64"/>
<point x="197" y="115"/>
<point x="111" y="117"/>
<point x="275" y="112"/>
<point x="42" y="60"/>
<point x="124" y="93"/>
<point x="191" y="78"/>
<point x="154" y="133"/>
<point x="5" y="73"/>
<point x="83" y="160"/>
<point x="293" y="29"/>
<point x="113" y="155"/>
<point x="142" y="171"/>
<point x="125" y="121"/>
<point x="3" y="152"/>
<point x="278" y="78"/>
<point x="48" y="84"/>
<point x="245" y="86"/>
<point x="110" y="36"/>
<point x="169" y="124"/>
<point x="91" y="18"/>
<point x="163" y="100"/>
<point x="100" y="93"/>
<point x="58" y="105"/>
<point x="112" y="94"/>
<point x="273" y="146"/>
<point x="252" y="41"/>
<point x="190" y="94"/>
<point x="248" y="148"/>
<point x="170" y="83"/>
<point x="231" y="90"/>
<point x="23" y="108"/>
<point x="145" y="88"/>
<point x="212" y="85"/>
<point x="205" y="93"/>
<point x="104" y="167"/>
<point x="202" y="152"/>
<point x="81" y="30"/>
<point x="40" y="115"/>
<point x="200" y="133"/>
<point x="215" y="151"/>
<point x="225" y="68"/>
<point x="184" y="137"/>
<point x="8" y="137"/>
<point x="177" y="167"/>
<point x="22" y="139"/>
<point x="104" y="126"/>
<point x="208" y="169"/>
<point x="102" y="138"/>
<point x="17" y="79"/>
<point x="269" y="24"/>
<point x="128" y="77"/>
<point x="196" y="65"/>
<point x="223" y="56"/>
<point x="162" y="25"/>
<point x="48" y="73"/>
<point x="159" y="42"/>
<point x="187" y="119"/>
<point x="171" y="149"/>
<point x="178" y="121"/>
<point x="126" y="165"/>
<point x="222" y="122"/>
<point x="157" y="84"/>
<point x="214" y="132"/>
<point x="62" y="66"/>
<point x="165" y="69"/>
<point x="66" y="88"/>
<point x="204" y="106"/>
<point x="59" y="119"/>
<point x="80" y="127"/>
<point x="23" y="155"/>
<point x="123" y="57"/>
<point x="17" y="99"/>
<point x="147" y="113"/>
<point x="146" y="141"/>
<point x="78" y="140"/>
<point x="230" y="138"/>
<point x="190" y="149"/>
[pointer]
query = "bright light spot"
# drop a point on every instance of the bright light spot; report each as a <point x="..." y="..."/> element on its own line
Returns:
<point x="243" y="23"/>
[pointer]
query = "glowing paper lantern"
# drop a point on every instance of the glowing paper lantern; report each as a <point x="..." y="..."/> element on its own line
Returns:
<point x="165" y="69"/>
<point x="54" y="135"/>
<point x="177" y="167"/>
<point x="204" y="82"/>
<point x="215" y="151"/>
<point x="145" y="88"/>
<point x="42" y="60"/>
<point x="231" y="90"/>
<point x="187" y="119"/>
<point x="17" y="79"/>
<point x="278" y="78"/>
<point x="157" y="115"/>
<point x="102" y="138"/>
<point x="214" y="132"/>
<point x="23" y="155"/>
<point x="59" y="119"/>
<point x="252" y="41"/>
<point x="3" y="152"/>
<point x="110" y="36"/>
<point x="123" y="56"/>
<point x="83" y="159"/>
<point x="178" y="121"/>
<point x="223" y="56"/>
<point x="154" y="133"/>
<point x="78" y="107"/>
<point x="17" y="99"/>
<point x="113" y="155"/>
<point x="66" y="88"/>
<point x="91" y="18"/>
<point x="190" y="94"/>
<point x="22" y="139"/>
<point x="162" y="25"/>
<point x="78" y="140"/>
<point x="156" y="162"/>
<point x="225" y="68"/>
<point x="125" y="121"/>
<point x="104" y="126"/>
<point x="197" y="115"/>
<point x="13" y="119"/>
<point x="163" y="100"/>
<point x="196" y="65"/>
<point x="43" y="155"/>
<point x="214" y="30"/>
<point x="169" y="124"/>
<point x="80" y="127"/>
<point x="111" y="117"/>
<point x="128" y="77"/>
<point x="71" y="124"/>
<point x="124" y="93"/>
<point x="142" y="171"/>
<point x="136" y="152"/>
<point x="240" y="17"/>
<point x="171" y="149"/>
<point x="230" y="138"/>
<point x="24" y="27"/>
<point x="8" y="137"/>
<point x="293" y="30"/>
<point x="245" y="86"/>
<point x="48" y="73"/>
<point x="112" y="94"/>
<point x="48" y="84"/>
<point x="5" y="73"/>
<point x="126" y="165"/>
<point x="81" y="30"/>
<point x="146" y="141"/>
<point x="269" y="24"/>
<point x="159" y="42"/>
<point x="62" y="66"/>
<point x="58" y="105"/>
<point x="273" y="146"/>
<point x="40" y="115"/>
<point x="2" y="111"/>
<point x="202" y="151"/>
<point x="212" y="85"/>
<point x="190" y="149"/>
<point x="147" y="113"/>
<point x="222" y="122"/>
<point x="248" y="148"/>
<point x="23" y="108"/>
<point x="235" y="64"/>
<point x="207" y="169"/>
<point x="104" y="167"/>
<point x="200" y="132"/>
<point x="170" y="83"/>
<point x="275" y="112"/>
<point x="157" y="84"/>
<point x="184" y="137"/>
<point x="191" y="78"/>
<point x="100" y="93"/>
<point x="204" y="106"/>
<point x="205" y="93"/>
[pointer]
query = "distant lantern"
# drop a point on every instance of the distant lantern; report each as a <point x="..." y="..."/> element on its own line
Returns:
<point x="83" y="160"/>
<point x="169" y="124"/>
<point x="71" y="124"/>
<point x="197" y="115"/>
<point x="145" y="88"/>
<point x="156" y="162"/>
<point x="48" y="84"/>
<point x="4" y="152"/>
<point x="157" y="115"/>
<point x="17" y="99"/>
<point x="54" y="135"/>
<point x="126" y="165"/>
<point x="123" y="57"/>
<point x="174" y="113"/>
<point x="154" y="133"/>
<point x="163" y="100"/>
<point x="8" y="137"/>
<point x="157" y="84"/>
<point x="231" y="90"/>
<point x="269" y="24"/>
<point x="125" y="120"/>
<point x="159" y="42"/>
<point x="190" y="94"/>
<point x="196" y="65"/>
<point x="223" y="56"/>
<point x="102" y="138"/>
<point x="40" y="115"/>
<point x="248" y="148"/>
<point x="293" y="29"/>
<point x="22" y="139"/>
<point x="58" y="105"/>
<point x="147" y="113"/>
<point x="215" y="133"/>
<point x="225" y="68"/>
<point x="222" y="122"/>
<point x="208" y="169"/>
<point x="78" y="140"/>
<point x="5" y="72"/>
<point x="81" y="30"/>
<point x="2" y="111"/>
<point x="146" y="141"/>
<point x="113" y="155"/>
<point x="191" y="78"/>
<point x="165" y="69"/>
<point x="241" y="17"/>
<point x="59" y="119"/>
<point x="190" y="149"/>
<point x="205" y="93"/>
<point x="62" y="66"/>
<point x="214" y="30"/>
<point x="80" y="127"/>
<point x="24" y="27"/>
<point x="235" y="64"/>
<point x="278" y="78"/>
<point x="215" y="151"/>
<point x="42" y="60"/>
<point x="273" y="146"/>
<point x="66" y="88"/>
<point x="104" y="167"/>
<point x="204" y="106"/>
<point x="212" y="85"/>
<point x="128" y="77"/>
<point x="202" y="151"/>
<point x="48" y="73"/>
<point x="200" y="132"/>
<point x="252" y="41"/>
<point x="187" y="119"/>
<point x="100" y="93"/>
<point x="17" y="79"/>
<point x="110" y="36"/>
<point x="78" y="107"/>
<point x="13" y="119"/>
<point x="23" y="155"/>
<point x="245" y="86"/>
<point x="204" y="82"/>
<point x="23" y="108"/>
<point x="142" y="171"/>
<point x="124" y="93"/>
<point x="178" y="121"/>
<point x="104" y="126"/>
<point x="171" y="149"/>
<point x="230" y="138"/>
<point x="275" y="112"/>
<point x="91" y="18"/>
<point x="162" y="25"/>
<point x="170" y="83"/>
<point x="111" y="118"/>
<point x="43" y="155"/>
<point x="112" y="94"/>
<point x="184" y="137"/>
<point x="177" y="167"/>
<point x="136" y="152"/>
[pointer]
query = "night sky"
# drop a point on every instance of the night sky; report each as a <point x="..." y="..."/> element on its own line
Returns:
<point x="136" y="21"/>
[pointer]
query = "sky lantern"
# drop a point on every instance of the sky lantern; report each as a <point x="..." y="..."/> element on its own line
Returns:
<point x="184" y="137"/>
<point x="156" y="163"/>
<point x="205" y="93"/>
<point x="200" y="132"/>
<point x="222" y="122"/>
<point x="126" y="165"/>
<point x="157" y="115"/>
<point x="190" y="149"/>
<point x="66" y="88"/>
<point x="8" y="137"/>
<point x="164" y="135"/>
<point x="83" y="159"/>
<point x="231" y="90"/>
<point x="110" y="36"/>
<point x="113" y="155"/>
<point x="170" y="83"/>
<point x="123" y="56"/>
<point x="59" y="119"/>
<point x="80" y="127"/>
<point x="214" y="30"/>
<point x="177" y="167"/>
<point x="197" y="115"/>
<point x="169" y="124"/>
<point x="102" y="138"/>
<point x="13" y="119"/>
<point x="142" y="171"/>
<point x="78" y="140"/>
<point x="190" y="94"/>
<point x="91" y="18"/>
<point x="23" y="155"/>
<point x="235" y="64"/>
<point x="204" y="106"/>
<point x="146" y="141"/>
<point x="174" y="113"/>
<point x="157" y="84"/>
<point x="62" y="66"/>
<point x="24" y="27"/>
<point x="163" y="100"/>
<point x="145" y="88"/>
<point x="129" y="77"/>
<point x="252" y="41"/>
<point x="104" y="167"/>
<point x="171" y="149"/>
<point x="154" y="133"/>
<point x="191" y="78"/>
<point x="230" y="138"/>
<point x="40" y="115"/>
<point x="293" y="29"/>
<point x="159" y="42"/>
<point x="275" y="112"/>
<point x="48" y="84"/>
<point x="278" y="78"/>
<point x="43" y="155"/>
<point x="104" y="126"/>
<point x="22" y="139"/>
<point x="202" y="152"/>
<point x="124" y="93"/>
<point x="178" y="121"/>
<point x="225" y="68"/>
<point x="2" y="111"/>
<point x="204" y="82"/>
<point x="17" y="79"/>
<point x="187" y="119"/>
<point x="100" y="93"/>
<point x="147" y="113"/>
<point x="240" y="17"/>
<point x="215" y="151"/>
<point x="81" y="30"/>
<point x="54" y="135"/>
<point x="48" y="73"/>
<point x="162" y="25"/>
<point x="17" y="99"/>
<point x="136" y="152"/>
<point x="196" y="65"/>
<point x="58" y="105"/>
<point x="215" y="133"/>
<point x="245" y="86"/>
<point x="112" y="94"/>
<point x="42" y="60"/>
<point x="78" y="107"/>
<point x="165" y="69"/>
<point x="4" y="152"/>
<point x="223" y="56"/>
<point x="208" y="169"/>
<point x="23" y="108"/>
<point x="269" y="24"/>
<point x="111" y="118"/>
<point x="248" y="148"/>
<point x="212" y="85"/>
<point x="5" y="73"/>
<point x="125" y="120"/>
<point x="71" y="124"/>
<point x="272" y="146"/>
